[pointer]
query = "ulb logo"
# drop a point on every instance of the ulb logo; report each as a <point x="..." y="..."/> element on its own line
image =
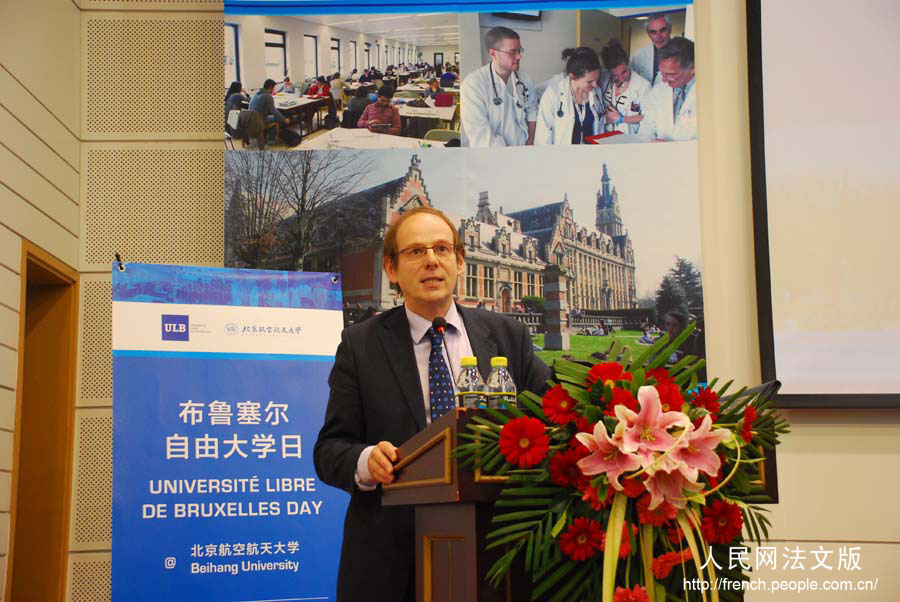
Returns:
<point x="174" y="328"/>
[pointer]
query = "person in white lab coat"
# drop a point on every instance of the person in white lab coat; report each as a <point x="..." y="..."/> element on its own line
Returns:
<point x="497" y="102"/>
<point x="622" y="91"/>
<point x="670" y="108"/>
<point x="569" y="110"/>
<point x="646" y="60"/>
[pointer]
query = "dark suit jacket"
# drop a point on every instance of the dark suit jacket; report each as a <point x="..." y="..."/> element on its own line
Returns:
<point x="376" y="396"/>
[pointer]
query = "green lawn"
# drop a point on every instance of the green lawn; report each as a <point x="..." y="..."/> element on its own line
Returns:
<point x="582" y="346"/>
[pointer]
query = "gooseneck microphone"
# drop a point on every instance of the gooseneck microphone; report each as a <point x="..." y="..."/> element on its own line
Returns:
<point x="439" y="324"/>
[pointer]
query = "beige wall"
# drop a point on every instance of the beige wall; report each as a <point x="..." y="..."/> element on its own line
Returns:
<point x="448" y="50"/>
<point x="39" y="171"/>
<point x="836" y="469"/>
<point x="75" y="193"/>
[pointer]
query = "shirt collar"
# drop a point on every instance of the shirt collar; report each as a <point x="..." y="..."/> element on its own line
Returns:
<point x="418" y="326"/>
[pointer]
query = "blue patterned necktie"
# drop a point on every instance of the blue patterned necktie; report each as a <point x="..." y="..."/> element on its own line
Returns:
<point x="440" y="387"/>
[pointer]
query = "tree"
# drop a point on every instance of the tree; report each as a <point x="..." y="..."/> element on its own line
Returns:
<point x="253" y="209"/>
<point x="688" y="276"/>
<point x="670" y="296"/>
<point x="533" y="304"/>
<point x="308" y="182"/>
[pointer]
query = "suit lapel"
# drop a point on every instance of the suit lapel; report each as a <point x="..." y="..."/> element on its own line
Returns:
<point x="483" y="346"/>
<point x="398" y="348"/>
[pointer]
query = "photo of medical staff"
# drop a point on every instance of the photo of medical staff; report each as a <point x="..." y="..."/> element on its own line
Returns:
<point x="626" y="75"/>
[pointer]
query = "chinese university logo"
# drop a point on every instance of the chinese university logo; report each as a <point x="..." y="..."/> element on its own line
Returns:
<point x="174" y="327"/>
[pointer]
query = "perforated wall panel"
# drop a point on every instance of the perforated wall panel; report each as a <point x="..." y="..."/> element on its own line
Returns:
<point x="124" y="5"/>
<point x="90" y="578"/>
<point x="153" y="203"/>
<point x="92" y="494"/>
<point x="152" y="77"/>
<point x="95" y="375"/>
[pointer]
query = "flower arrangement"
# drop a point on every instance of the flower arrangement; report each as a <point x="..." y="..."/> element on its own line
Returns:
<point x="626" y="478"/>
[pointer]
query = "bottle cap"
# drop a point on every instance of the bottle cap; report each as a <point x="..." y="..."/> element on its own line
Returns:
<point x="468" y="360"/>
<point x="498" y="361"/>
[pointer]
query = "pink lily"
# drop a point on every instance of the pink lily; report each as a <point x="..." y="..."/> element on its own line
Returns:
<point x="698" y="453"/>
<point x="669" y="486"/>
<point x="607" y="456"/>
<point x="646" y="431"/>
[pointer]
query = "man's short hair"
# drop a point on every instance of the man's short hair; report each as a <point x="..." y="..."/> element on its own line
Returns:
<point x="386" y="91"/>
<point x="656" y="16"/>
<point x="496" y="35"/>
<point x="678" y="48"/>
<point x="389" y="250"/>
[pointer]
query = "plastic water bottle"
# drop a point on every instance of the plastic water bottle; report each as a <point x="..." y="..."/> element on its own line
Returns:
<point x="501" y="390"/>
<point x="469" y="384"/>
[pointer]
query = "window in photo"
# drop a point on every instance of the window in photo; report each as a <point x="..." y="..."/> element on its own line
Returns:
<point x="335" y="55"/>
<point x="276" y="54"/>
<point x="311" y="56"/>
<point x="232" y="60"/>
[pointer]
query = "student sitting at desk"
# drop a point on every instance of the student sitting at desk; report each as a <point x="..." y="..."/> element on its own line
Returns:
<point x="320" y="88"/>
<point x="287" y="87"/>
<point x="233" y="102"/>
<point x="359" y="102"/>
<point x="448" y="78"/>
<point x="433" y="89"/>
<point x="264" y="104"/>
<point x="380" y="117"/>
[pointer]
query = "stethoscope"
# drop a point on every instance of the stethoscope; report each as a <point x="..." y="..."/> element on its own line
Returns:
<point x="498" y="100"/>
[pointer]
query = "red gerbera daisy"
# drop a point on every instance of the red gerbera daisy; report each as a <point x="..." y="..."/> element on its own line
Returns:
<point x="658" y="516"/>
<point x="708" y="400"/>
<point x="670" y="397"/>
<point x="523" y="441"/>
<point x="592" y="496"/>
<point x="558" y="405"/>
<point x="633" y="486"/>
<point x="636" y="594"/>
<point x="721" y="522"/>
<point x="660" y="374"/>
<point x="663" y="564"/>
<point x="674" y="534"/>
<point x="565" y="472"/>
<point x="625" y="544"/>
<point x="607" y="373"/>
<point x="582" y="539"/>
<point x="581" y="426"/>
<point x="749" y="417"/>
<point x="623" y="397"/>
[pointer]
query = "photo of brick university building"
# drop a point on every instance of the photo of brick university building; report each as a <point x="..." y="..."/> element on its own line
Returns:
<point x="506" y="253"/>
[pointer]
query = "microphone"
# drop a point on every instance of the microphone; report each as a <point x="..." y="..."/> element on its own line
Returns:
<point x="439" y="324"/>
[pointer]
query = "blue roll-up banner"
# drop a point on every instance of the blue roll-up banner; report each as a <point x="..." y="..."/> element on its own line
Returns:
<point x="219" y="389"/>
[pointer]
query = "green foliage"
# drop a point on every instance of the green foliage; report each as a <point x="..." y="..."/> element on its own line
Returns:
<point x="532" y="512"/>
<point x="533" y="304"/>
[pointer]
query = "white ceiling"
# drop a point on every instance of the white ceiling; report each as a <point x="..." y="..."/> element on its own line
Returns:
<point x="419" y="29"/>
<point x="643" y="10"/>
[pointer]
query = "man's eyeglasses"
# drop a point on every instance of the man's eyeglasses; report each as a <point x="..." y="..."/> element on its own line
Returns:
<point x="514" y="51"/>
<point x="442" y="250"/>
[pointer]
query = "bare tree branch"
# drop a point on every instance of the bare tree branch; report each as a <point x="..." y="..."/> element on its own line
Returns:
<point x="311" y="183"/>
<point x="253" y="207"/>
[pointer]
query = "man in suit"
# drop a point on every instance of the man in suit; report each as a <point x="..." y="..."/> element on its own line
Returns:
<point x="385" y="387"/>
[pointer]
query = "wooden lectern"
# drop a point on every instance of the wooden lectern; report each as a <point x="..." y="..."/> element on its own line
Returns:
<point x="453" y="514"/>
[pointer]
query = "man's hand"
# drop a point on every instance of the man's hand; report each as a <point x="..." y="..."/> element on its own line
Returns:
<point x="381" y="461"/>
